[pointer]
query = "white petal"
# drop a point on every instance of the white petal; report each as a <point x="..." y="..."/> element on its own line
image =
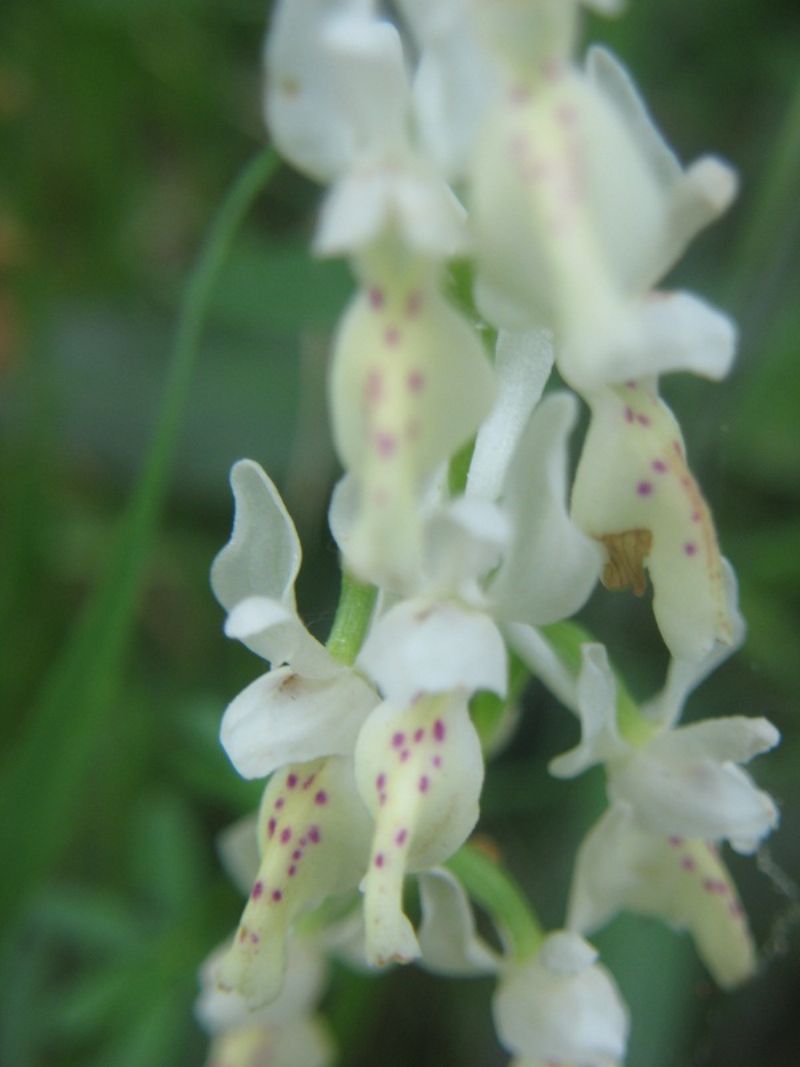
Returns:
<point x="571" y="1012"/>
<point x="305" y="116"/>
<point x="693" y="198"/>
<point x="664" y="332"/>
<point x="538" y="654"/>
<point x="523" y="363"/>
<point x="419" y="771"/>
<point x="551" y="566"/>
<point x="420" y="647"/>
<point x="620" y="866"/>
<point x="448" y="938"/>
<point x="453" y="83"/>
<point x="464" y="539"/>
<point x="597" y="707"/>
<point x="263" y="555"/>
<point x="277" y="634"/>
<point x="683" y="676"/>
<point x="284" y="718"/>
<point x="685" y="782"/>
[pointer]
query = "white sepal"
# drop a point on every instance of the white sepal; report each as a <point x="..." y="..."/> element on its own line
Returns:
<point x="286" y="717"/>
<point x="448" y="938"/>
<point x="262" y="557"/>
<point x="562" y="1006"/>
<point x="597" y="707"/>
<point x="523" y="362"/>
<point x="551" y="566"/>
<point x="686" y="782"/>
<point x="420" y="646"/>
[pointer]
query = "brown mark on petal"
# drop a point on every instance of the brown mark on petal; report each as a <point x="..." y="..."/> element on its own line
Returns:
<point x="624" y="567"/>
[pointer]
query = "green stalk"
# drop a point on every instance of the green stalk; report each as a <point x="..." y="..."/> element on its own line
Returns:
<point x="497" y="892"/>
<point x="351" y="621"/>
<point x="44" y="779"/>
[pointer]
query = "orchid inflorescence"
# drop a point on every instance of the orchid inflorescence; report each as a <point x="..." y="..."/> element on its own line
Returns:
<point x="469" y="130"/>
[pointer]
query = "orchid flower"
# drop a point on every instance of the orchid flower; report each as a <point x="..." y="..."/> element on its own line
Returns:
<point x="579" y="208"/>
<point x="674" y="792"/>
<point x="557" y="1005"/>
<point x="309" y="704"/>
<point x="409" y="379"/>
<point x="285" y="1033"/>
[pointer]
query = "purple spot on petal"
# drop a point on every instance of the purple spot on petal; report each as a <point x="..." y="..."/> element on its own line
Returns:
<point x="688" y="863"/>
<point x="644" y="488"/>
<point x="629" y="416"/>
<point x="271" y="827"/>
<point x="277" y="896"/>
<point x="643" y="420"/>
<point x="321" y="797"/>
<point x="404" y="755"/>
<point x="279" y="803"/>
<point x="286" y="835"/>
<point x="415" y="381"/>
<point x="391" y="336"/>
<point x="254" y="939"/>
<point x="297" y="854"/>
<point x="379" y="860"/>
<point x="400" y="837"/>
<point x="385" y="444"/>
<point x="419" y="734"/>
<point x="659" y="466"/>
<point x="376" y="298"/>
<point x="696" y="516"/>
<point x="414" y="303"/>
<point x="437" y="761"/>
<point x="380" y="781"/>
<point x="258" y="889"/>
<point x="439" y="730"/>
<point x="398" y="740"/>
<point x="373" y="387"/>
<point x="291" y="781"/>
<point x="424" y="783"/>
<point x="309" y="781"/>
<point x="675" y="841"/>
<point x="314" y="835"/>
<point x="690" y="548"/>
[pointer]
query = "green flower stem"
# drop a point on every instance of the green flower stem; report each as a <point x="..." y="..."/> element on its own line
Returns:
<point x="356" y="602"/>
<point x="567" y="638"/>
<point x="488" y="711"/>
<point x="495" y="890"/>
<point x="45" y="778"/>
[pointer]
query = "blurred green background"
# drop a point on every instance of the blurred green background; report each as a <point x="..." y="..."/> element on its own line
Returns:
<point x="122" y="124"/>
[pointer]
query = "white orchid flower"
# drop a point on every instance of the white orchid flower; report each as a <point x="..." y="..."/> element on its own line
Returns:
<point x="410" y="383"/>
<point x="557" y="1006"/>
<point x="579" y="208"/>
<point x="623" y="866"/>
<point x="338" y="103"/>
<point x="561" y="1007"/>
<point x="309" y="704"/>
<point x="284" y="1033"/>
<point x="677" y="780"/>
